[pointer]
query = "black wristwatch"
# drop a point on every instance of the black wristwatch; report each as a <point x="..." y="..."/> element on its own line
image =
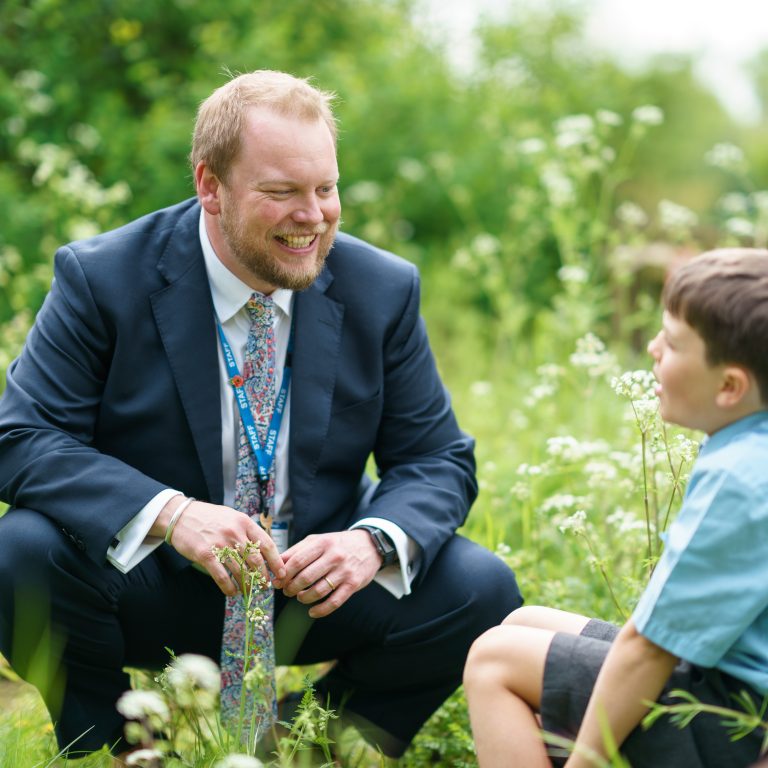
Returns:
<point x="383" y="544"/>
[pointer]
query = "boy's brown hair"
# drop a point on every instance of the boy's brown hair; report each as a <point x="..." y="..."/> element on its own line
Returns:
<point x="723" y="296"/>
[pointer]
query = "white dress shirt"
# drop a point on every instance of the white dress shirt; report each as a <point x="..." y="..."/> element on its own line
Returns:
<point x="229" y="295"/>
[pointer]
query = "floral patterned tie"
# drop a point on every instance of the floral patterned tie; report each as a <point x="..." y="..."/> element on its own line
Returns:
<point x="252" y="696"/>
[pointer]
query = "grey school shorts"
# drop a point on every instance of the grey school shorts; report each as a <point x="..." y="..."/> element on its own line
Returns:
<point x="569" y="677"/>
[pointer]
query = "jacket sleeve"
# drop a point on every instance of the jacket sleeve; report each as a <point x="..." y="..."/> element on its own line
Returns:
<point x="425" y="462"/>
<point x="49" y="415"/>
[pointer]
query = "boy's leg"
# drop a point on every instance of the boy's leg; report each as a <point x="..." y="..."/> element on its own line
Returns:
<point x="552" y="619"/>
<point x="503" y="680"/>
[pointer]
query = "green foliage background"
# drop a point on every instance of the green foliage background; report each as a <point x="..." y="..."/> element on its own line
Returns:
<point x="515" y="212"/>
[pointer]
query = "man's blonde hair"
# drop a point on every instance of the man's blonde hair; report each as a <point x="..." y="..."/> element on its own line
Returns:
<point x="221" y="117"/>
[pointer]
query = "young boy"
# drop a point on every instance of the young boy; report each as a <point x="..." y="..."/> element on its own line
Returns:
<point x="702" y="622"/>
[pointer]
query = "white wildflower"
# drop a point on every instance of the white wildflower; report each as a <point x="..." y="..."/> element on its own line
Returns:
<point x="645" y="412"/>
<point x="529" y="469"/>
<point x="624" y="522"/>
<point x="363" y="192"/>
<point x="727" y="156"/>
<point x="140" y="705"/>
<point x="734" y="203"/>
<point x="760" y="199"/>
<point x="568" y="448"/>
<point x="675" y="217"/>
<point x="592" y="355"/>
<point x="635" y="385"/>
<point x="648" y="115"/>
<point x="740" y="227"/>
<point x="538" y="393"/>
<point x="559" y="187"/>
<point x="576" y="523"/>
<point x="551" y="371"/>
<point x="239" y="761"/>
<point x="481" y="388"/>
<point x="531" y="146"/>
<point x="608" y="117"/>
<point x="462" y="259"/>
<point x="411" y="169"/>
<point x="485" y="244"/>
<point x="684" y="448"/>
<point x="30" y="79"/>
<point x="194" y="679"/>
<point x="144" y="758"/>
<point x="520" y="491"/>
<point x="632" y="215"/>
<point x="560" y="502"/>
<point x="573" y="274"/>
<point x="600" y="473"/>
<point x="576" y="124"/>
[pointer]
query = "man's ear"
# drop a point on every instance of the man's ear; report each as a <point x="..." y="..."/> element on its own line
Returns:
<point x="734" y="387"/>
<point x="208" y="189"/>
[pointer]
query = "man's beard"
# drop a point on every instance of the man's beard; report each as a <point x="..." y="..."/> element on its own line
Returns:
<point x="253" y="253"/>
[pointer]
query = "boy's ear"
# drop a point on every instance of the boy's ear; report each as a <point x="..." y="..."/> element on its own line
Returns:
<point x="735" y="385"/>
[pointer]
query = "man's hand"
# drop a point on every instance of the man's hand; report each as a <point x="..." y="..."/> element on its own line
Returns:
<point x="203" y="527"/>
<point x="332" y="566"/>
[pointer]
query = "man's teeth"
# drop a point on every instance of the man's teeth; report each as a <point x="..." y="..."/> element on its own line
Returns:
<point x="296" y="241"/>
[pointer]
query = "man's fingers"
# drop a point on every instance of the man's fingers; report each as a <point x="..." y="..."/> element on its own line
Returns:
<point x="335" y="600"/>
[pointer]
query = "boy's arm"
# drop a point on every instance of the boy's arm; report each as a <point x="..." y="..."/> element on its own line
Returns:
<point x="635" y="670"/>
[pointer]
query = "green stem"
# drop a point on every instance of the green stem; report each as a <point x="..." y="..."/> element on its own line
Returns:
<point x="604" y="574"/>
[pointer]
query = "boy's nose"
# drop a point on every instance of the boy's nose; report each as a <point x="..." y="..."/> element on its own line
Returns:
<point x="653" y="346"/>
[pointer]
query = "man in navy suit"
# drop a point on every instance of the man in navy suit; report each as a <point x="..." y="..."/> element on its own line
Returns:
<point x="119" y="411"/>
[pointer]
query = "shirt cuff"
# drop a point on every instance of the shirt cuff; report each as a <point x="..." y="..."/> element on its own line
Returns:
<point x="398" y="577"/>
<point x="133" y="542"/>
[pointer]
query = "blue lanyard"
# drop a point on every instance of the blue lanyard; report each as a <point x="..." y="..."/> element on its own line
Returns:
<point x="264" y="456"/>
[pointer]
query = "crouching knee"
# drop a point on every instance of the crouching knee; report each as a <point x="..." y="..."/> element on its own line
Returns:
<point x="487" y="656"/>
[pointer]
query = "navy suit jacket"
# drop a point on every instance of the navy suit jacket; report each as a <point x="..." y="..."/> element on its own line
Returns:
<point x="116" y="394"/>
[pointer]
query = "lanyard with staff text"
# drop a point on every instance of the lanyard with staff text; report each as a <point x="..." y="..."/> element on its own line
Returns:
<point x="264" y="456"/>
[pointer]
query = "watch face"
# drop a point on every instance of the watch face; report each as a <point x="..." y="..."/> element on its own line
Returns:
<point x="384" y="546"/>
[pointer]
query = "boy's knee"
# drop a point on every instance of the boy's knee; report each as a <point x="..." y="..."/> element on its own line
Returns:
<point x="487" y="652"/>
<point x="525" y="616"/>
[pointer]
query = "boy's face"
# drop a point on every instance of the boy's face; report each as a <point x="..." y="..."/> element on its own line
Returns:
<point x="688" y="385"/>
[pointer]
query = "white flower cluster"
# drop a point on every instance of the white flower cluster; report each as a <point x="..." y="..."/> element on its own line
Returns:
<point x="574" y="275"/>
<point x="144" y="758"/>
<point x="560" y="502"/>
<point x="648" y="114"/>
<point x="239" y="761"/>
<point x="569" y="449"/>
<point x="632" y="215"/>
<point x="574" y="130"/>
<point x="575" y="523"/>
<point x="727" y="156"/>
<point x="194" y="679"/>
<point x="635" y="385"/>
<point x="676" y="218"/>
<point x="143" y="705"/>
<point x="592" y="355"/>
<point x="558" y="186"/>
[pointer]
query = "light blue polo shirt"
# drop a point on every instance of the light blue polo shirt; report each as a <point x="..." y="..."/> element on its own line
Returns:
<point x="707" y="601"/>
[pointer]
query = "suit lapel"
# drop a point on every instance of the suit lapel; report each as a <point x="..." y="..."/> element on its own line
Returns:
<point x="184" y="315"/>
<point x="315" y="360"/>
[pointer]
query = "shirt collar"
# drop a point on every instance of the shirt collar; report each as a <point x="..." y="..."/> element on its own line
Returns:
<point x="229" y="292"/>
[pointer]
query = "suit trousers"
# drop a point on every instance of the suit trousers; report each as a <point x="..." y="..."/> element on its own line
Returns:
<point x="397" y="660"/>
